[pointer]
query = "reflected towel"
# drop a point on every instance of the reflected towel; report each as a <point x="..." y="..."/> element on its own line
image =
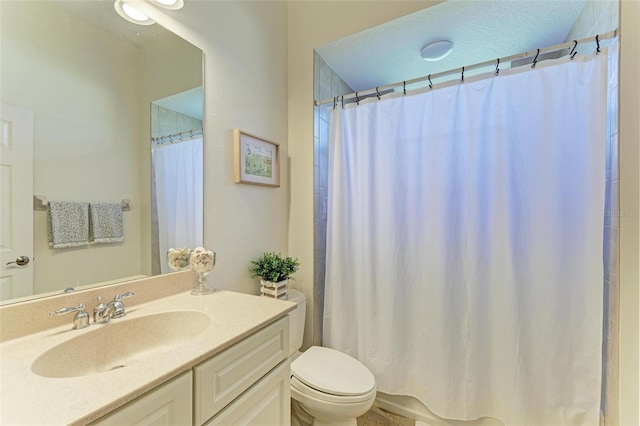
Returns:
<point x="68" y="224"/>
<point x="106" y="222"/>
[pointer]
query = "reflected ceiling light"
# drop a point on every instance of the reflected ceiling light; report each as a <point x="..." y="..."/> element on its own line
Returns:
<point x="169" y="4"/>
<point x="132" y="14"/>
<point x="436" y="50"/>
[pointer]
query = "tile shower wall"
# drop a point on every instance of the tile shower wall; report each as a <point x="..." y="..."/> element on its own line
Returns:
<point x="327" y="84"/>
<point x="166" y="122"/>
<point x="598" y="17"/>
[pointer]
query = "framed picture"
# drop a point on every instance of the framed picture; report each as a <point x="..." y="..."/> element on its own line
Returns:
<point x="257" y="161"/>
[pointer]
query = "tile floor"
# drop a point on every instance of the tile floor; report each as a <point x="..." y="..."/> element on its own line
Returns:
<point x="379" y="417"/>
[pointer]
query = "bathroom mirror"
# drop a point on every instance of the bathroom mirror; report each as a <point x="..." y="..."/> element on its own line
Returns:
<point x="88" y="77"/>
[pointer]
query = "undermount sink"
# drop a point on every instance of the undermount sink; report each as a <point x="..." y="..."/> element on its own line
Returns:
<point x="120" y="343"/>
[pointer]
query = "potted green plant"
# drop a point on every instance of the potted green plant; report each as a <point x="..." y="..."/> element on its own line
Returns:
<point x="274" y="271"/>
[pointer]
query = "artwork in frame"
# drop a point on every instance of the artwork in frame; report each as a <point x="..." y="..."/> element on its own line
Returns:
<point x="257" y="161"/>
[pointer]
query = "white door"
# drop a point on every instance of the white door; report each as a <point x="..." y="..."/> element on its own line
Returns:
<point x="16" y="202"/>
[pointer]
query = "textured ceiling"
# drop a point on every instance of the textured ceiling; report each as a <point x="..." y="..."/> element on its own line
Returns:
<point x="480" y="30"/>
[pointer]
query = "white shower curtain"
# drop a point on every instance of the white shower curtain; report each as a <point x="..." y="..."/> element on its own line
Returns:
<point x="465" y="243"/>
<point x="178" y="170"/>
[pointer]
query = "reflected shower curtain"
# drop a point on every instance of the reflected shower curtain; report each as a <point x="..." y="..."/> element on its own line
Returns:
<point x="178" y="170"/>
<point x="465" y="243"/>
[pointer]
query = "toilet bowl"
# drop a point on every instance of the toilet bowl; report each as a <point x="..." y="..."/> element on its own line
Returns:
<point x="328" y="387"/>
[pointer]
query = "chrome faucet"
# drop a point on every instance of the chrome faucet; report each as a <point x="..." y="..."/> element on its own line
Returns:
<point x="100" y="315"/>
<point x="80" y="320"/>
<point x="115" y="309"/>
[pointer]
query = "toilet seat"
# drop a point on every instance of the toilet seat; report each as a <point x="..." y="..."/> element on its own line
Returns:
<point x="330" y="375"/>
<point x="302" y="392"/>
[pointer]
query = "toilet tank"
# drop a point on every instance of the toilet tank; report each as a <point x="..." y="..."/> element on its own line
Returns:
<point x="296" y="320"/>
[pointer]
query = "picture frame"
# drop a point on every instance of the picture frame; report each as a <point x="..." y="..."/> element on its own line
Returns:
<point x="256" y="160"/>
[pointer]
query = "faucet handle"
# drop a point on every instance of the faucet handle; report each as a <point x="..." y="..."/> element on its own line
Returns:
<point x="124" y="296"/>
<point x="80" y="307"/>
<point x="80" y="320"/>
<point x="119" y="309"/>
<point x="98" y="310"/>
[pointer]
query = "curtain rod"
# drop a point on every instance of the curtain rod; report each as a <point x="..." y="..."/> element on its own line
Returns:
<point x="570" y="44"/>
<point x="176" y="137"/>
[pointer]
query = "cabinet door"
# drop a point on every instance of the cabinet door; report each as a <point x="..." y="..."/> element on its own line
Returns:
<point x="221" y="379"/>
<point x="267" y="403"/>
<point x="168" y="404"/>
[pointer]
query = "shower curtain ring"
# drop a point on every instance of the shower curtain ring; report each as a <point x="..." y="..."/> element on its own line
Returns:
<point x="357" y="99"/>
<point x="335" y="100"/>
<point x="430" y="83"/>
<point x="597" y="44"/>
<point x="535" y="60"/>
<point x="498" y="66"/>
<point x="573" y="52"/>
<point x="462" y="76"/>
<point x="377" y="93"/>
<point x="342" y="101"/>
<point x="404" y="87"/>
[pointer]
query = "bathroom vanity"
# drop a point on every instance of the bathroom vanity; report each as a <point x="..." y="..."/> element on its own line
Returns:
<point x="179" y="360"/>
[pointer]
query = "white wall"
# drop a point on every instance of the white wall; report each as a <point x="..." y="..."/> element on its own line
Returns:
<point x="245" y="49"/>
<point x="83" y="150"/>
<point x="629" y="119"/>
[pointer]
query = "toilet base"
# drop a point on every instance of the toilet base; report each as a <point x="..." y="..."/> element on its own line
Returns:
<point x="301" y="417"/>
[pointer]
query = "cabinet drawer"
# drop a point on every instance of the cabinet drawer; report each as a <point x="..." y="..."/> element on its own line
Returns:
<point x="224" y="377"/>
<point x="268" y="402"/>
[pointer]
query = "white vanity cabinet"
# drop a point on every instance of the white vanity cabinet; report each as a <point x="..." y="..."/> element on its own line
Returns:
<point x="245" y="384"/>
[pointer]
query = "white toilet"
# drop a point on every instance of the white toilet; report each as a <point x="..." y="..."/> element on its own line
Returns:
<point x="328" y="387"/>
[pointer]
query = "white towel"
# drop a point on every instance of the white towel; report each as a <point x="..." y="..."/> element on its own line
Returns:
<point x="106" y="222"/>
<point x="68" y="224"/>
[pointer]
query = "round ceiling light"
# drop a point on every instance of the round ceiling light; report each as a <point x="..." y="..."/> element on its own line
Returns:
<point x="436" y="50"/>
<point x="169" y="4"/>
<point x="132" y="14"/>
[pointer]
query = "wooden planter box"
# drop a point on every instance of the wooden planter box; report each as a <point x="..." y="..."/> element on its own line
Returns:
<point x="276" y="290"/>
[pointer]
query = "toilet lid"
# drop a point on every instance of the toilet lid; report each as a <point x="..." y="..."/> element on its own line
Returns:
<point x="332" y="372"/>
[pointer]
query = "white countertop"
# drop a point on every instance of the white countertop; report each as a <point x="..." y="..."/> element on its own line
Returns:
<point x="29" y="399"/>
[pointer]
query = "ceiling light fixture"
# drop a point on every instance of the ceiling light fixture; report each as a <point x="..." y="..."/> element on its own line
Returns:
<point x="132" y="14"/>
<point x="436" y="50"/>
<point x="169" y="4"/>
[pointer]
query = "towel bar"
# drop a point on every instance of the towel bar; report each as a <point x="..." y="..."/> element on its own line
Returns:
<point x="40" y="203"/>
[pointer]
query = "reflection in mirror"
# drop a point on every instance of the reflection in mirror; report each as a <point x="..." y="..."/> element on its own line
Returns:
<point x="88" y="78"/>
<point x="177" y="175"/>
